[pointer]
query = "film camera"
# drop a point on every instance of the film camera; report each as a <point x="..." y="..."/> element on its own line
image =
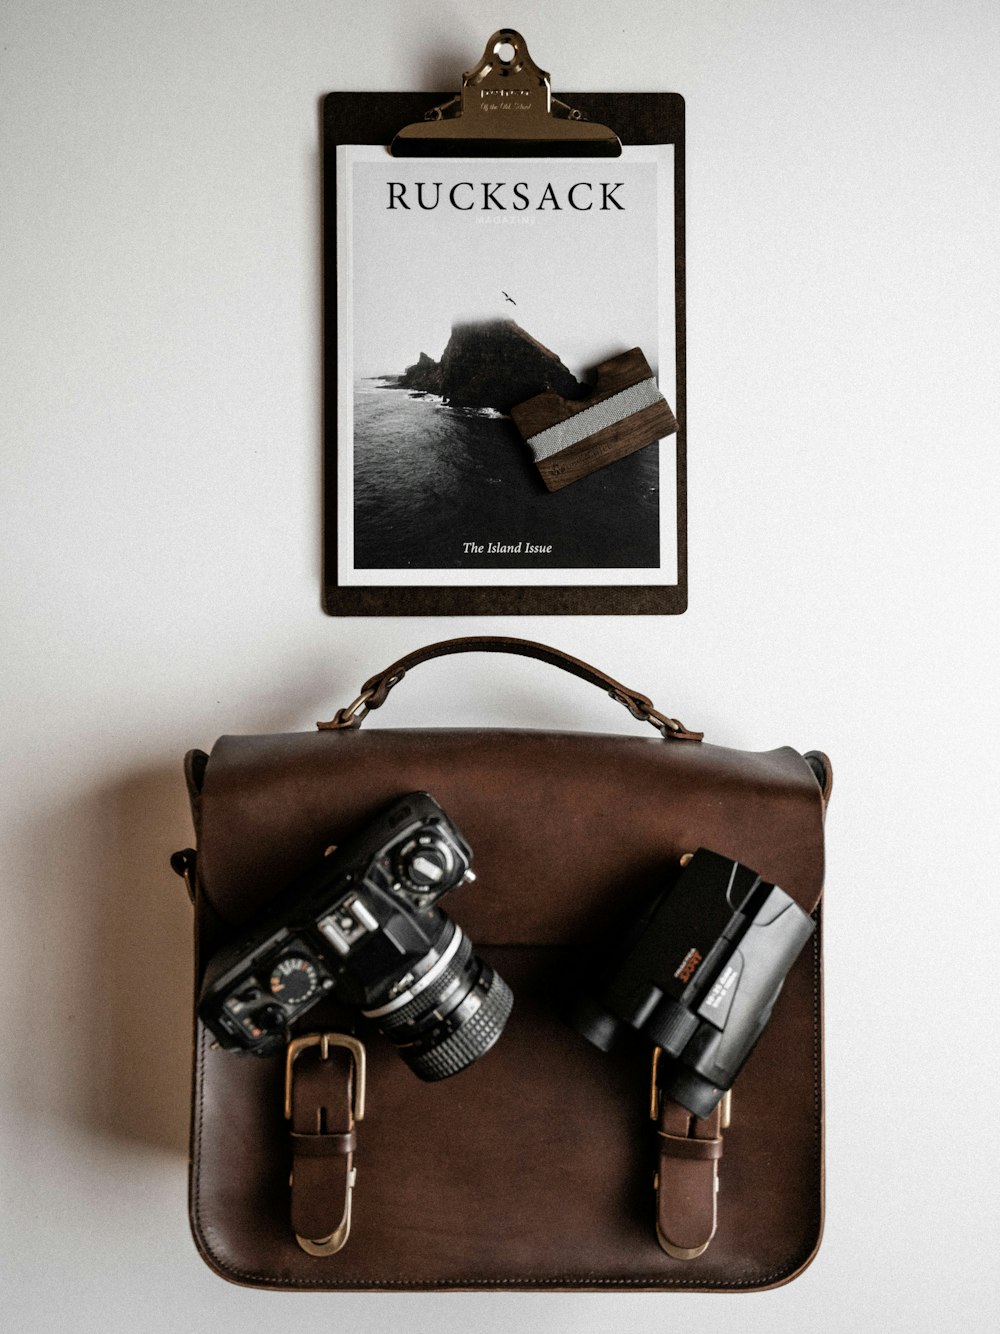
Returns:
<point x="364" y="927"/>
<point x="699" y="974"/>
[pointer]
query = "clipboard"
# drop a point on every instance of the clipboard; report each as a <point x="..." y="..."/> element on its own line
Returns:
<point x="426" y="124"/>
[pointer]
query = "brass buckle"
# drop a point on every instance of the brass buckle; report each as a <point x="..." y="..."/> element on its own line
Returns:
<point x="336" y="1240"/>
<point x="654" y="1086"/>
<point x="726" y="1110"/>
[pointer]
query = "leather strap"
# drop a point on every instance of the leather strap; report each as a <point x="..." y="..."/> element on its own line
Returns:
<point x="324" y="1097"/>
<point x="687" y="1180"/>
<point x="323" y="1145"/>
<point x="694" y="1148"/>
<point x="376" y="689"/>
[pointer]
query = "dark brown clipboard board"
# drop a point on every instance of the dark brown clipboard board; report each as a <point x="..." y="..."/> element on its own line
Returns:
<point x="375" y="118"/>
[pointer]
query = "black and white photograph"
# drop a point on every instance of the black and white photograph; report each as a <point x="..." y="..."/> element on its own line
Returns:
<point x="468" y="287"/>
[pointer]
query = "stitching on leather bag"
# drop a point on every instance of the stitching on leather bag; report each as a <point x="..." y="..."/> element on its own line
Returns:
<point x="656" y="1282"/>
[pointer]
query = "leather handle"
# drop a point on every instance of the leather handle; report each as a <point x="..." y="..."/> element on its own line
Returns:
<point x="376" y="689"/>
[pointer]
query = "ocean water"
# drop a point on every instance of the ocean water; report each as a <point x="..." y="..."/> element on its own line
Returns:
<point x="431" y="479"/>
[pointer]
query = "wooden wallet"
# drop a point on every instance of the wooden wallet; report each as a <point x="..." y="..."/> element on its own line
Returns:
<point x="623" y="413"/>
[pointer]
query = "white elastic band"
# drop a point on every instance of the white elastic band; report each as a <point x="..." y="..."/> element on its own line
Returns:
<point x="591" y="420"/>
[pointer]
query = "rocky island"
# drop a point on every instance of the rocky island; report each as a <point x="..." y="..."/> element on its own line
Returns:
<point x="490" y="364"/>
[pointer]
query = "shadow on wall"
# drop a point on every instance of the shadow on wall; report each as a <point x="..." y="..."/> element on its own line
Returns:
<point x="103" y="1035"/>
<point x="105" y="1031"/>
<point x="142" y="963"/>
<point x="442" y="65"/>
<point x="144" y="954"/>
<point x="106" y="1027"/>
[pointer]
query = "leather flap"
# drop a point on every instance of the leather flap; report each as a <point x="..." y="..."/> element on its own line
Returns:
<point x="534" y="1167"/>
<point x="567" y="829"/>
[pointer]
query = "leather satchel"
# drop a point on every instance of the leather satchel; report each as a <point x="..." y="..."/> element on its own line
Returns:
<point x="538" y="1166"/>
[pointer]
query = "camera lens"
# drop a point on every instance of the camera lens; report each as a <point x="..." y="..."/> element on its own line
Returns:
<point x="451" y="1014"/>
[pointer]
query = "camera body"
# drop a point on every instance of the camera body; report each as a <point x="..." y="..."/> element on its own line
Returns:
<point x="698" y="974"/>
<point x="364" y="927"/>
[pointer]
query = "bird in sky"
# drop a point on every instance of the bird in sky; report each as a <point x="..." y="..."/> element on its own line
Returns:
<point x="508" y="298"/>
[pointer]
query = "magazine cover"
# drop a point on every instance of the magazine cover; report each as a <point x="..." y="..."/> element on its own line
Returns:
<point x="465" y="287"/>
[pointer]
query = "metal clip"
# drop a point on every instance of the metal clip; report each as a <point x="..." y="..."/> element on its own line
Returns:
<point x="345" y="717"/>
<point x="662" y="722"/>
<point x="646" y="713"/>
<point x="336" y="1240"/>
<point x="506" y="103"/>
<point x="183" y="863"/>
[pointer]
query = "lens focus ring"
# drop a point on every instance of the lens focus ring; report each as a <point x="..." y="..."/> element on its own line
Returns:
<point x="470" y="1041"/>
<point x="427" y="999"/>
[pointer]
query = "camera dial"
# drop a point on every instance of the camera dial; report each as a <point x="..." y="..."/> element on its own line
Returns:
<point x="426" y="864"/>
<point x="294" y="980"/>
<point x="268" y="1023"/>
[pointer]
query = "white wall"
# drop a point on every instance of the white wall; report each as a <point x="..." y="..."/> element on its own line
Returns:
<point x="160" y="411"/>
